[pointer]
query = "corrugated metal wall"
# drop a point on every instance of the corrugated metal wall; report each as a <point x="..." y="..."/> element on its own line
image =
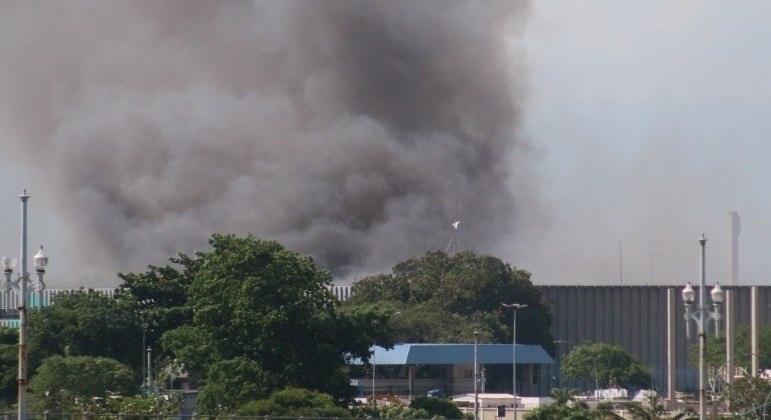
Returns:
<point x="635" y="317"/>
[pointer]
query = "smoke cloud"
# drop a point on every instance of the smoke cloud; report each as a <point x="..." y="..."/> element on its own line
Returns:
<point x="350" y="131"/>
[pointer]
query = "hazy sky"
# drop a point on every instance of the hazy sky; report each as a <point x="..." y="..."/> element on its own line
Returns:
<point x="634" y="128"/>
<point x="652" y="120"/>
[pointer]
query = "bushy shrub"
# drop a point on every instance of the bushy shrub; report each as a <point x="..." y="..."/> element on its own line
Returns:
<point x="437" y="407"/>
<point x="294" y="402"/>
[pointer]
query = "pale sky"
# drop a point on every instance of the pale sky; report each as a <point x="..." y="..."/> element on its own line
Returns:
<point x="648" y="120"/>
<point x="653" y="123"/>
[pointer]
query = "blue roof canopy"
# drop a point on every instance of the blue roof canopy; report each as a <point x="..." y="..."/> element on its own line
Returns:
<point x="459" y="354"/>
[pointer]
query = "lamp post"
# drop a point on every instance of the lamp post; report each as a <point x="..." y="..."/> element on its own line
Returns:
<point x="374" y="400"/>
<point x="150" y="387"/>
<point x="374" y="365"/>
<point x="515" y="307"/>
<point x="699" y="316"/>
<point x="476" y="375"/>
<point x="40" y="261"/>
<point x="559" y="374"/>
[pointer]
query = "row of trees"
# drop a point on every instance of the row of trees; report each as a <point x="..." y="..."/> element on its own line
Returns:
<point x="250" y="318"/>
<point x="247" y="318"/>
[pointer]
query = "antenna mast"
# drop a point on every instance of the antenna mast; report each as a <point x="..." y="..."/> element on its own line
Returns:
<point x="454" y="241"/>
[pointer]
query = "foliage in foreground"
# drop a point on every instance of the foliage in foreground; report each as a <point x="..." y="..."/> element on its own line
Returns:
<point x="9" y="361"/>
<point x="749" y="397"/>
<point x="715" y="349"/>
<point x="652" y="409"/>
<point x="607" y="364"/>
<point x="86" y="323"/>
<point x="263" y="318"/>
<point x="401" y="412"/>
<point x="562" y="411"/>
<point x="294" y="402"/>
<point x="563" y="396"/>
<point x="76" y="384"/>
<point x="437" y="407"/>
<point x="66" y="383"/>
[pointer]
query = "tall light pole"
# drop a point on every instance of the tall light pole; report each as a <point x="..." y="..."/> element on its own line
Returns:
<point x="515" y="307"/>
<point x="150" y="387"/>
<point x="374" y="365"/>
<point x="374" y="400"/>
<point x="476" y="375"/>
<point x="40" y="261"/>
<point x="699" y="316"/>
<point x="559" y="374"/>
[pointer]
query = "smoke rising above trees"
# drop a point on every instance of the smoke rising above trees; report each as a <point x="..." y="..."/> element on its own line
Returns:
<point x="345" y="130"/>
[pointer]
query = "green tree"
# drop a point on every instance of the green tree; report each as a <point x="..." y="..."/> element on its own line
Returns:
<point x="85" y="323"/>
<point x="606" y="411"/>
<point x="231" y="382"/>
<point x="70" y="383"/>
<point x="9" y="361"/>
<point x="437" y="407"/>
<point x="573" y="411"/>
<point x="159" y="296"/>
<point x="605" y="364"/>
<point x="562" y="412"/>
<point x="398" y="411"/>
<point x="150" y="406"/>
<point x="258" y="306"/>
<point x="652" y="409"/>
<point x="715" y="351"/>
<point x="445" y="298"/>
<point x="563" y="396"/>
<point x="749" y="397"/>
<point x="295" y="402"/>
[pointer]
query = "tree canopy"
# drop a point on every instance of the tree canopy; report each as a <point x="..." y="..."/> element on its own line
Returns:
<point x="69" y="383"/>
<point x="265" y="315"/>
<point x="85" y="323"/>
<point x="295" y="402"/>
<point x="437" y="407"/>
<point x="445" y="298"/>
<point x="9" y="359"/>
<point x="158" y="296"/>
<point x="607" y="365"/>
<point x="748" y="397"/>
<point x="716" y="349"/>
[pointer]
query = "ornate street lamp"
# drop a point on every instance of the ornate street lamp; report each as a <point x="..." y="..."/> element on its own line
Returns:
<point x="40" y="261"/>
<point x="699" y="316"/>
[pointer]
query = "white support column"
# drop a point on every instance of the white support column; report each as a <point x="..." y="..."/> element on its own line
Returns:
<point x="754" y="328"/>
<point x="671" y="345"/>
<point x="729" y="336"/>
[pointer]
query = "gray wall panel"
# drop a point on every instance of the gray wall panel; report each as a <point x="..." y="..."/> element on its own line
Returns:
<point x="635" y="318"/>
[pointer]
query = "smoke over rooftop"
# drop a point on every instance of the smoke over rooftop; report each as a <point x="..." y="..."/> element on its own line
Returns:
<point x="346" y="130"/>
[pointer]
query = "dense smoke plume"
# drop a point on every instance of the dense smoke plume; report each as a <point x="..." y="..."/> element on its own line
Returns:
<point x="350" y="131"/>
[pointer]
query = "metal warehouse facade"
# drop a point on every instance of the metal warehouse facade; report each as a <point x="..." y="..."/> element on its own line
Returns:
<point x="638" y="318"/>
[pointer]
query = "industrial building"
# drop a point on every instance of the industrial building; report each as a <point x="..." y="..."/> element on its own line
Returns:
<point x="639" y="319"/>
<point x="647" y="321"/>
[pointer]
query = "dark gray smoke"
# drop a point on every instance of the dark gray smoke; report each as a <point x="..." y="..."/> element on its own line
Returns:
<point x="348" y="130"/>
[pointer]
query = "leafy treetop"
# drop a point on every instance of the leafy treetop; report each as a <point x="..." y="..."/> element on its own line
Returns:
<point x="264" y="317"/>
<point x="445" y="298"/>
<point x="607" y="364"/>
